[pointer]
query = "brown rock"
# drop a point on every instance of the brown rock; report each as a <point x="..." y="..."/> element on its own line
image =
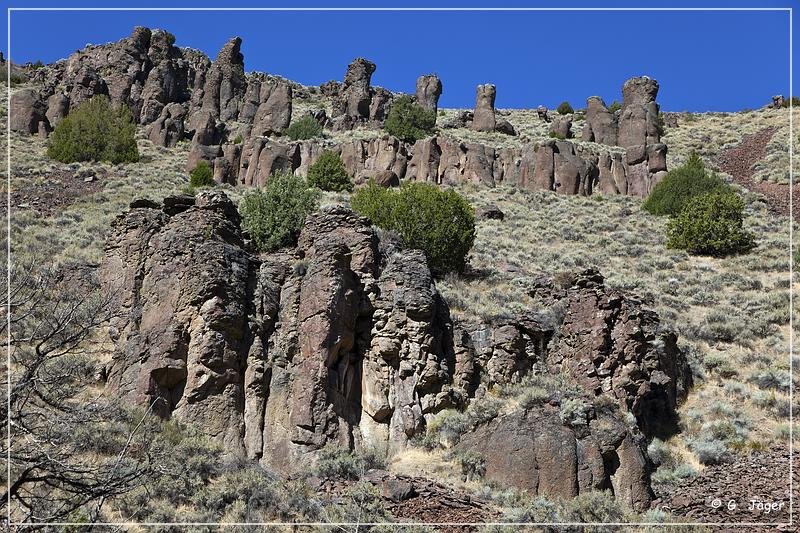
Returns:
<point x="429" y="89"/>
<point x="484" y="119"/>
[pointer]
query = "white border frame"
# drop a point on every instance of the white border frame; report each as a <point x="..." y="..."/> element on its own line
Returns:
<point x="789" y="10"/>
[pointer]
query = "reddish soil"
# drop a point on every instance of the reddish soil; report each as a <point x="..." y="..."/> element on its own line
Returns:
<point x="57" y="190"/>
<point x="423" y="500"/>
<point x="738" y="161"/>
<point x="757" y="486"/>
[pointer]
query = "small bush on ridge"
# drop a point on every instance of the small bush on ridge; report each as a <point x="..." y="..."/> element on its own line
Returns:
<point x="303" y="128"/>
<point x="328" y="173"/>
<point x="409" y="121"/>
<point x="275" y="214"/>
<point x="439" y="222"/>
<point x="95" y="131"/>
<point x="564" y="108"/>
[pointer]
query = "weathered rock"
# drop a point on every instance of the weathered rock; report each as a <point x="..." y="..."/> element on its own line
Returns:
<point x="536" y="451"/>
<point x="380" y="103"/>
<point x="355" y="92"/>
<point x="611" y="345"/>
<point x="561" y="127"/>
<point x="638" y="120"/>
<point x="386" y="178"/>
<point x="27" y="111"/>
<point x="225" y="83"/>
<point x="274" y="114"/>
<point x="491" y="212"/>
<point x="182" y="335"/>
<point x="169" y="128"/>
<point x="504" y="126"/>
<point x="541" y="112"/>
<point x="429" y="89"/>
<point x="461" y="119"/>
<point x="778" y="101"/>
<point x="601" y="124"/>
<point x="484" y="119"/>
<point x="57" y="108"/>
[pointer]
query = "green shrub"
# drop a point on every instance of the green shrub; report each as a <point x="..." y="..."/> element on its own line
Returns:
<point x="564" y="109"/>
<point x="710" y="224"/>
<point x="615" y="106"/>
<point x="95" y="131"/>
<point x="328" y="173"/>
<point x="438" y="222"/>
<point x="680" y="185"/>
<point x="409" y="121"/>
<point x="303" y="128"/>
<point x="275" y="214"/>
<point x="238" y="139"/>
<point x="201" y="175"/>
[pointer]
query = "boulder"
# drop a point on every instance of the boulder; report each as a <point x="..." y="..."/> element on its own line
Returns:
<point x="601" y="124"/>
<point x="27" y="111"/>
<point x="57" y="108"/>
<point x="386" y="178"/>
<point x="169" y="128"/>
<point x="561" y="127"/>
<point x="484" y="119"/>
<point x="541" y="112"/>
<point x="538" y="452"/>
<point x="504" y="126"/>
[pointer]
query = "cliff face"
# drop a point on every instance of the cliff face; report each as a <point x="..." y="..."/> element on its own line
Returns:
<point x="348" y="342"/>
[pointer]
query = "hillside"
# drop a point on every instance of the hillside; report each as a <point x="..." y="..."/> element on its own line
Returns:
<point x="382" y="390"/>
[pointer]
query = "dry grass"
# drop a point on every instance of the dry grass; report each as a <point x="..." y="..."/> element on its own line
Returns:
<point x="732" y="309"/>
<point x="731" y="313"/>
<point x="709" y="133"/>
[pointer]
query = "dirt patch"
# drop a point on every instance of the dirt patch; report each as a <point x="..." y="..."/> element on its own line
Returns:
<point x="738" y="161"/>
<point x="418" y="499"/>
<point x="758" y="487"/>
<point x="53" y="192"/>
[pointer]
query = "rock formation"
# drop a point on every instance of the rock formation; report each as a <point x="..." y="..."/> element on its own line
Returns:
<point x="347" y="341"/>
<point x="636" y="127"/>
<point x="601" y="124"/>
<point x="178" y="93"/>
<point x="429" y="89"/>
<point x="225" y="83"/>
<point x="28" y="112"/>
<point x="483" y="118"/>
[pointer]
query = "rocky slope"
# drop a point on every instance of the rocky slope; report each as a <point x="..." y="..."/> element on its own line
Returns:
<point x="349" y="343"/>
<point x="178" y="93"/>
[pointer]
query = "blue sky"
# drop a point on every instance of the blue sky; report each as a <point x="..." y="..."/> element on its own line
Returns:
<point x="704" y="61"/>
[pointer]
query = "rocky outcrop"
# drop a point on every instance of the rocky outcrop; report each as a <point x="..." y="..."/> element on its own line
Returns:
<point x="601" y="124"/>
<point x="225" y="83"/>
<point x="27" y="112"/>
<point x="561" y="127"/>
<point x="611" y="345"/>
<point x="346" y="341"/>
<point x="273" y="113"/>
<point x="355" y="100"/>
<point x="636" y="127"/>
<point x="536" y="451"/>
<point x="168" y="129"/>
<point x="144" y="71"/>
<point x="483" y="117"/>
<point x="429" y="89"/>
